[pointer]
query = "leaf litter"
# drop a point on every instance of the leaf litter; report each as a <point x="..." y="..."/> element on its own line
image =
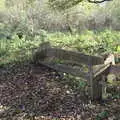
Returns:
<point x="34" y="92"/>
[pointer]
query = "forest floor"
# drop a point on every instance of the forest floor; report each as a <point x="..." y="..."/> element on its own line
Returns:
<point x="34" y="92"/>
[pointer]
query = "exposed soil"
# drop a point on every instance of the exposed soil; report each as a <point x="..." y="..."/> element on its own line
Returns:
<point x="34" y="92"/>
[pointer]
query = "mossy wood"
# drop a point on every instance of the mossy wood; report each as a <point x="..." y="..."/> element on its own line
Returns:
<point x="96" y="67"/>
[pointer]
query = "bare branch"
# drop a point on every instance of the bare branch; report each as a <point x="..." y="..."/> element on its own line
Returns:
<point x="101" y="1"/>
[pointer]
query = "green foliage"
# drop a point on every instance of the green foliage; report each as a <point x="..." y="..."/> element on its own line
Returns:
<point x="23" y="3"/>
<point x="63" y="4"/>
<point x="116" y="96"/>
<point x="3" y="48"/>
<point x="114" y="9"/>
<point x="88" y="42"/>
<point x="102" y="115"/>
<point x="37" y="15"/>
<point x="16" y="49"/>
<point x="110" y="40"/>
<point x="66" y="4"/>
<point x="2" y="5"/>
<point x="75" y="83"/>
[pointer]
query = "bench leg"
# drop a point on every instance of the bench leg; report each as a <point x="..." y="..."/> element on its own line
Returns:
<point x="104" y="86"/>
<point x="95" y="90"/>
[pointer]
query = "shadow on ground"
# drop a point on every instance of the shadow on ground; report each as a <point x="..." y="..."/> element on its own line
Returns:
<point x="34" y="92"/>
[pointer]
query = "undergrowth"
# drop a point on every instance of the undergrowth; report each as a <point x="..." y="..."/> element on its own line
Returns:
<point x="89" y="42"/>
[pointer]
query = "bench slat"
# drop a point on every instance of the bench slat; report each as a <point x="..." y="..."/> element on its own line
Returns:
<point x="74" y="56"/>
<point x="66" y="69"/>
<point x="99" y="69"/>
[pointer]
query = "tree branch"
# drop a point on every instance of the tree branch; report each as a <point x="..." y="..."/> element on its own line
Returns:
<point x="101" y="1"/>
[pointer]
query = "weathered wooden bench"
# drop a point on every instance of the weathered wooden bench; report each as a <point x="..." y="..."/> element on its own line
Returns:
<point x="72" y="62"/>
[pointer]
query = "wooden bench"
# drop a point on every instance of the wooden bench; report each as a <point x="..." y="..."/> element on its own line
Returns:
<point x="71" y="62"/>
